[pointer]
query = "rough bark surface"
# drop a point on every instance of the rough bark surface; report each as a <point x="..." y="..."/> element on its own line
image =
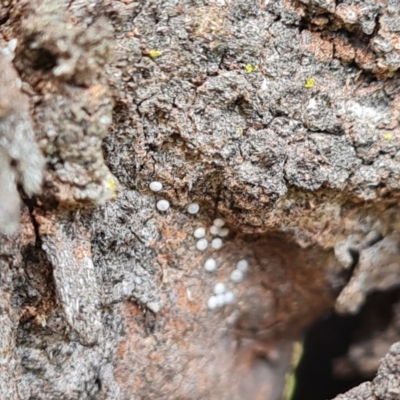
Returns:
<point x="281" y="117"/>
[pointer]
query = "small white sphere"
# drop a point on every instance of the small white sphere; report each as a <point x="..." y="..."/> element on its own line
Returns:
<point x="212" y="303"/>
<point x="210" y="265"/>
<point x="237" y="276"/>
<point x="202" y="244"/>
<point x="223" y="232"/>
<point x="18" y="83"/>
<point x="7" y="53"/>
<point x="220" y="300"/>
<point x="218" y="222"/>
<point x="242" y="265"/>
<point x="214" y="230"/>
<point x="219" y="288"/>
<point x="155" y="186"/>
<point x="193" y="208"/>
<point x="12" y="44"/>
<point x="229" y="297"/>
<point x="162" y="205"/>
<point x="199" y="232"/>
<point x="216" y="243"/>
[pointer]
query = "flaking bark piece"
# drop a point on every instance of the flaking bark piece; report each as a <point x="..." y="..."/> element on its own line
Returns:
<point x="20" y="158"/>
<point x="378" y="269"/>
<point x="73" y="101"/>
<point x="9" y="196"/>
<point x="386" y="384"/>
<point x="362" y="392"/>
<point x="8" y="321"/>
<point x="68" y="249"/>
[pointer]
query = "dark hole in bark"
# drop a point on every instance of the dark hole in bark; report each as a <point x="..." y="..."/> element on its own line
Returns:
<point x="331" y="337"/>
<point x="43" y="60"/>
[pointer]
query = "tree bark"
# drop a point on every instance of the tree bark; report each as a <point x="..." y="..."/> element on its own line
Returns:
<point x="280" y="118"/>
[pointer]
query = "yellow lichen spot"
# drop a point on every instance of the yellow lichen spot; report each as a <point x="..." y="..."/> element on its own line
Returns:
<point x="250" y="68"/>
<point x="239" y="131"/>
<point x="387" y="136"/>
<point x="310" y="82"/>
<point x="155" y="53"/>
<point x="111" y="186"/>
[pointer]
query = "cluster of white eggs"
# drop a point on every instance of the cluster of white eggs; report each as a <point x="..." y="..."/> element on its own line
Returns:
<point x="163" y="205"/>
<point x="216" y="230"/>
<point x="221" y="295"/>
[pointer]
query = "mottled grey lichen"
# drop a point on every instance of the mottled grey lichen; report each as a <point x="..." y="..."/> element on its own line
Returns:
<point x="125" y="233"/>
